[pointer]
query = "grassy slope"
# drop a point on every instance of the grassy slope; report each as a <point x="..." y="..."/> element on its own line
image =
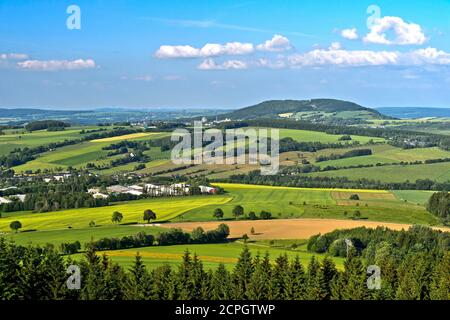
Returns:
<point x="436" y="171"/>
<point x="285" y="202"/>
<point x="387" y="154"/>
<point x="132" y="211"/>
<point x="10" y="141"/>
<point x="56" y="237"/>
<point x="80" y="154"/>
<point x="313" y="136"/>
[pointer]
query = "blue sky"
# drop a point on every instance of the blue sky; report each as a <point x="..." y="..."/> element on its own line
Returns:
<point x="223" y="54"/>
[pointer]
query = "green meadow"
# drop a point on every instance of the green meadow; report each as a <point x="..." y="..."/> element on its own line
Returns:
<point x="19" y="138"/>
<point x="385" y="154"/>
<point x="396" y="173"/>
<point x="316" y="136"/>
<point x="90" y="151"/>
<point x="284" y="202"/>
<point x="165" y="208"/>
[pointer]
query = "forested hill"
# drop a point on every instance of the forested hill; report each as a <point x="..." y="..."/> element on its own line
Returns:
<point x="316" y="109"/>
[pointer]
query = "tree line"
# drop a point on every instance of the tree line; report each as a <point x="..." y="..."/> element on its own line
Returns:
<point x="302" y="181"/>
<point x="29" y="273"/>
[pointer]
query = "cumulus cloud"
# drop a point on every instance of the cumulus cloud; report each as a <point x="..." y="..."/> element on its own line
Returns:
<point x="56" y="65"/>
<point x="276" y="44"/>
<point x="350" y="34"/>
<point x="428" y="56"/>
<point x="266" y="63"/>
<point x="13" y="56"/>
<point x="360" y="58"/>
<point x="207" y="51"/>
<point x="210" y="64"/>
<point x="405" y="33"/>
<point x="340" y="57"/>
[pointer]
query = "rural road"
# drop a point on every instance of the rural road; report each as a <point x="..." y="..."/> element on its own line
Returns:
<point x="288" y="228"/>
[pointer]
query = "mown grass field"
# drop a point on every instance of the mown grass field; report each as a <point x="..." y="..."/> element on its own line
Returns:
<point x="80" y="154"/>
<point x="165" y="208"/>
<point x="315" y="136"/>
<point x="437" y="171"/>
<point x="284" y="202"/>
<point x="19" y="138"/>
<point x="210" y="254"/>
<point x="85" y="235"/>
<point x="385" y="154"/>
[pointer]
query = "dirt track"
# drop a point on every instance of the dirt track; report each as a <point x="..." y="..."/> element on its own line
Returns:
<point x="287" y="229"/>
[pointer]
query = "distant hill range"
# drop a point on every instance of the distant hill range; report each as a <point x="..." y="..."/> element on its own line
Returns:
<point x="313" y="110"/>
<point x="416" y="113"/>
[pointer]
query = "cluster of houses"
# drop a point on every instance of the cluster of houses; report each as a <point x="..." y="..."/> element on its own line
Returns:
<point x="153" y="190"/>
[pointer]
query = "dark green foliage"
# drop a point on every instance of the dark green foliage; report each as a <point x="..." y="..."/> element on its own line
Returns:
<point x="52" y="125"/>
<point x="439" y="204"/>
<point x="28" y="273"/>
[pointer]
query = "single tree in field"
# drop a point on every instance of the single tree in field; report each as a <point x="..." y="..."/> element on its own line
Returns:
<point x="218" y="213"/>
<point x="117" y="217"/>
<point x="238" y="211"/>
<point x="15" y="225"/>
<point x="245" y="238"/>
<point x="354" y="197"/>
<point x="149" y="215"/>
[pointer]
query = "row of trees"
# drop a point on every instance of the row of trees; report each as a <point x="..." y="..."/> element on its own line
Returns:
<point x="439" y="204"/>
<point x="166" y="238"/>
<point x="303" y="181"/>
<point x="238" y="211"/>
<point x="28" y="273"/>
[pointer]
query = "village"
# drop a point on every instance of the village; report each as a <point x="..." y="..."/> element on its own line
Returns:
<point x="152" y="190"/>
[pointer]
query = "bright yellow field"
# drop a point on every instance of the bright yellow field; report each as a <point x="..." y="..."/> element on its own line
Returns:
<point x="251" y="186"/>
<point x="126" y="137"/>
<point x="164" y="208"/>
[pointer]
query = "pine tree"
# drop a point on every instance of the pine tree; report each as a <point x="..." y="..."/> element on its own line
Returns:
<point x="261" y="279"/>
<point x="440" y="284"/>
<point x="139" y="283"/>
<point x="278" y="278"/>
<point x="242" y="274"/>
<point x="316" y="283"/>
<point x="329" y="272"/>
<point x="221" y="284"/>
<point x="353" y="281"/>
<point x="296" y="282"/>
<point x="184" y="283"/>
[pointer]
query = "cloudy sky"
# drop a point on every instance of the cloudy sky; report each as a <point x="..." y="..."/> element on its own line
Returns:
<point x="223" y="54"/>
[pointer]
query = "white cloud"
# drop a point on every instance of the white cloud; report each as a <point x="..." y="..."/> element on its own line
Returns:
<point x="55" y="65"/>
<point x="428" y="56"/>
<point x="210" y="64"/>
<point x="276" y="44"/>
<point x="358" y="58"/>
<point x="350" y="34"/>
<point x="277" y="64"/>
<point x="343" y="58"/>
<point x="13" y="56"/>
<point x="405" y="33"/>
<point x="207" y="51"/>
